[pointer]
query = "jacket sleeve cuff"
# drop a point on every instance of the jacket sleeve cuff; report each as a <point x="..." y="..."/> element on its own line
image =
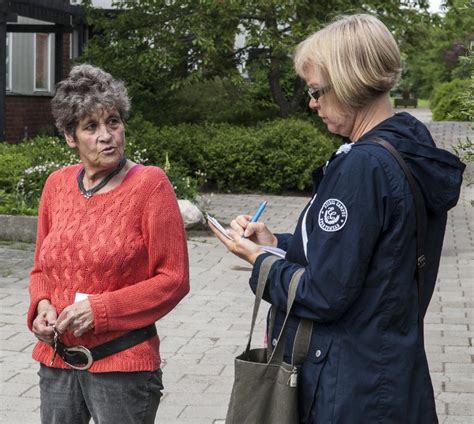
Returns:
<point x="256" y="271"/>
<point x="283" y="240"/>
<point x="99" y="313"/>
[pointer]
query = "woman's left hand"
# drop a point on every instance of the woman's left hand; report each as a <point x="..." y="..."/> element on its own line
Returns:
<point x="77" y="318"/>
<point x="238" y="245"/>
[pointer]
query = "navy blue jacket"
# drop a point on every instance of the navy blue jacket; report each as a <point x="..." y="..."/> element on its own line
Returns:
<point x="366" y="363"/>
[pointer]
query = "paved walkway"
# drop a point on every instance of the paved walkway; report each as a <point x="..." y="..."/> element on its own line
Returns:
<point x="203" y="334"/>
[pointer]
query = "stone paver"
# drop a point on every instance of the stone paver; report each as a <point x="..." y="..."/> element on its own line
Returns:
<point x="203" y="334"/>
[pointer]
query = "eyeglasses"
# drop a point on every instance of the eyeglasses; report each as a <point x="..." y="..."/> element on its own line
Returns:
<point x="315" y="94"/>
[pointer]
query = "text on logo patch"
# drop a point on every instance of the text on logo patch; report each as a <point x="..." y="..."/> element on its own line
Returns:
<point x="333" y="215"/>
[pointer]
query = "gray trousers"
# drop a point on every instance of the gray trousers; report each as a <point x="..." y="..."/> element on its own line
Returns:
<point x="73" y="397"/>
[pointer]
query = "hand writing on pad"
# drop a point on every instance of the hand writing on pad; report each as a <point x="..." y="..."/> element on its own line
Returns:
<point x="269" y="249"/>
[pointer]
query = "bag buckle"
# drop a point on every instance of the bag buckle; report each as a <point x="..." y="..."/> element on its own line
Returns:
<point x="82" y="353"/>
<point x="293" y="380"/>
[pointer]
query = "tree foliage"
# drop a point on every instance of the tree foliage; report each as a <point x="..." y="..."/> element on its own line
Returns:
<point x="434" y="55"/>
<point x="161" y="48"/>
<point x="447" y="100"/>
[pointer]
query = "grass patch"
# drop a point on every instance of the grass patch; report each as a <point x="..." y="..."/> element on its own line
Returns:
<point x="422" y="103"/>
<point x="17" y="245"/>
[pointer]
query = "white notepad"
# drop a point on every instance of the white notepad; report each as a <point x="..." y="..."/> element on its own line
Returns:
<point x="269" y="249"/>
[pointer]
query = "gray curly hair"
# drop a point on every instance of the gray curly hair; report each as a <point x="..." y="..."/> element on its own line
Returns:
<point x="86" y="90"/>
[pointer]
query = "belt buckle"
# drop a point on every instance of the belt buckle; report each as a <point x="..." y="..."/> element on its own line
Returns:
<point x="75" y="350"/>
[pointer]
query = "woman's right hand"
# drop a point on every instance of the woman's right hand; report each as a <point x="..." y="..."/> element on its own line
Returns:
<point x="43" y="323"/>
<point x="257" y="232"/>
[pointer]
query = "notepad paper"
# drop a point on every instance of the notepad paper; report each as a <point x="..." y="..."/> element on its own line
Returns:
<point x="218" y="225"/>
<point x="269" y="249"/>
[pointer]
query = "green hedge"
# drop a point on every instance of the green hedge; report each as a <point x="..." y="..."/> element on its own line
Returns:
<point x="275" y="157"/>
<point x="24" y="168"/>
<point x="446" y="101"/>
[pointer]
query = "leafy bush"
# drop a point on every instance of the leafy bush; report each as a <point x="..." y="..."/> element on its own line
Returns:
<point x="25" y="167"/>
<point x="275" y="156"/>
<point x="292" y="149"/>
<point x="12" y="163"/>
<point x="465" y="148"/>
<point x="12" y="204"/>
<point x="218" y="100"/>
<point x="180" y="143"/>
<point x="447" y="100"/>
<point x="467" y="98"/>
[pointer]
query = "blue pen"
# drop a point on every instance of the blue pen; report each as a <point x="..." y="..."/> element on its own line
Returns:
<point x="258" y="213"/>
<point x="260" y="210"/>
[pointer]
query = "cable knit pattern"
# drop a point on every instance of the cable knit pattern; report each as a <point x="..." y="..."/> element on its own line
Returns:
<point x="126" y="248"/>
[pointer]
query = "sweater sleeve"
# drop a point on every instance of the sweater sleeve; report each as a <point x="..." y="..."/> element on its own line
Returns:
<point x="147" y="301"/>
<point x="38" y="287"/>
<point x="346" y="220"/>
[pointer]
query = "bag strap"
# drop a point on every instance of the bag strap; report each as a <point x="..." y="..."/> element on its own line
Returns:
<point x="303" y="334"/>
<point x="302" y="341"/>
<point x="278" y="352"/>
<point x="420" y="211"/>
<point x="262" y="281"/>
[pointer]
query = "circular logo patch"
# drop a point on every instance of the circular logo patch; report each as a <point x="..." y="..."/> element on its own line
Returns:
<point x="333" y="215"/>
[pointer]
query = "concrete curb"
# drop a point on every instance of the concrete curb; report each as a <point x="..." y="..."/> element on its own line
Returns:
<point x="18" y="228"/>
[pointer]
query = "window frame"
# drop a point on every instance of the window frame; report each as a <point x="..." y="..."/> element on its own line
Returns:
<point x="48" y="58"/>
<point x="9" y="51"/>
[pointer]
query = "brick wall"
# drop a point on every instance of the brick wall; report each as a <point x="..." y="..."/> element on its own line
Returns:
<point x="27" y="116"/>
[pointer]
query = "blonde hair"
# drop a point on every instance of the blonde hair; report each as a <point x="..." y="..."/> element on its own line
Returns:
<point x="356" y="56"/>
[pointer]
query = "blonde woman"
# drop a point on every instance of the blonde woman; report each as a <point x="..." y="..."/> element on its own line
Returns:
<point x="356" y="238"/>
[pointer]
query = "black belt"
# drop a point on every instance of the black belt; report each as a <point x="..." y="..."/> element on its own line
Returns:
<point x="81" y="358"/>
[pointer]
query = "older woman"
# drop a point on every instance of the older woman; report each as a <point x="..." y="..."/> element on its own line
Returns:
<point x="110" y="260"/>
<point x="356" y="239"/>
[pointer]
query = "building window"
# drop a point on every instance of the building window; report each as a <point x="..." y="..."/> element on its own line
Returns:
<point x="9" y="62"/>
<point x="42" y="64"/>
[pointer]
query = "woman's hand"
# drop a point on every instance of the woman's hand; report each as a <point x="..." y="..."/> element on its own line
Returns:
<point x="77" y="318"/>
<point x="258" y="232"/>
<point x="45" y="319"/>
<point x="242" y="247"/>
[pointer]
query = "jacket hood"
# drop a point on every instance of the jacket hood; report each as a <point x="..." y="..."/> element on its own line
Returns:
<point x="437" y="171"/>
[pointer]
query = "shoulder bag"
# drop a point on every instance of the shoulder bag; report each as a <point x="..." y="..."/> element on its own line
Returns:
<point x="265" y="387"/>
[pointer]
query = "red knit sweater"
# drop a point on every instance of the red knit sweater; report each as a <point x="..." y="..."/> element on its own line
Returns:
<point x="126" y="248"/>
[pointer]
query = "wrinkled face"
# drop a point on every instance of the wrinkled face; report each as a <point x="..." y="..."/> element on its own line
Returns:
<point x="99" y="139"/>
<point x="338" y="121"/>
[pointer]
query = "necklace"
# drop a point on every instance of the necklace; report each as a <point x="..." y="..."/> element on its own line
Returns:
<point x="88" y="193"/>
